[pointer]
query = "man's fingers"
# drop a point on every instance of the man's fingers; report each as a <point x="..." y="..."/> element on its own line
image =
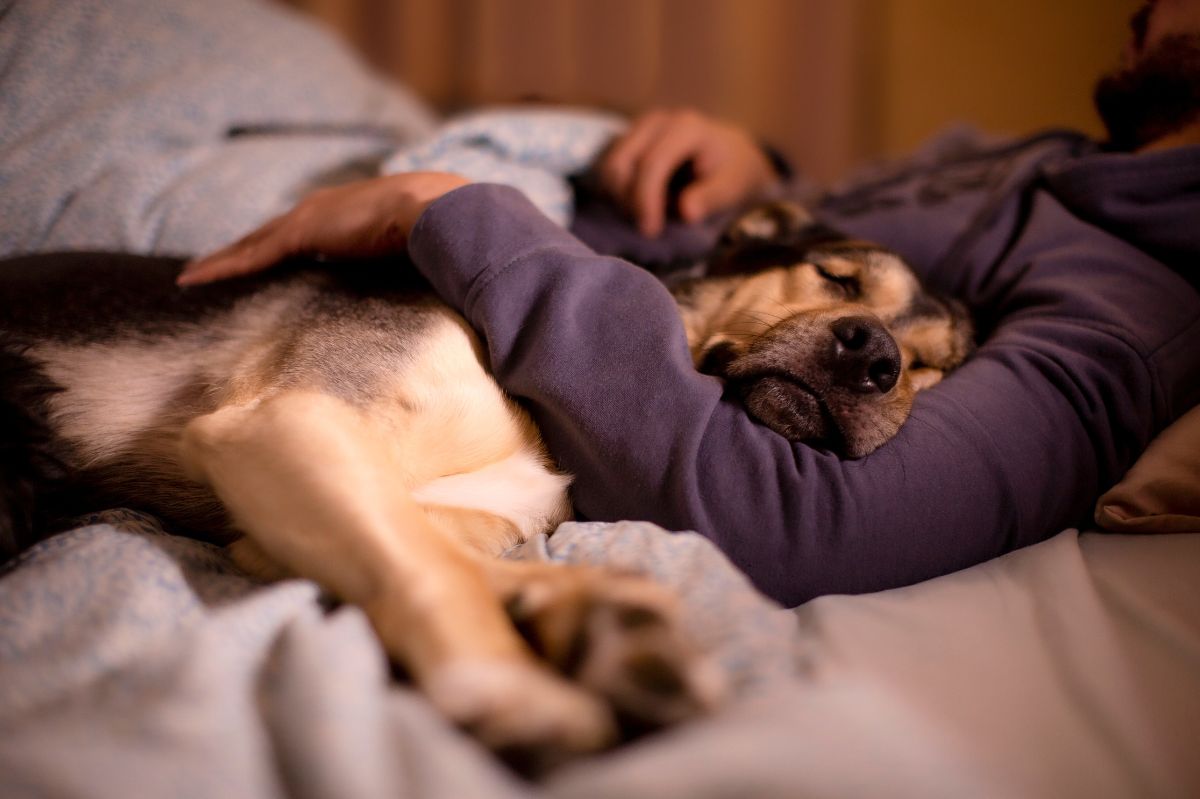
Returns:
<point x="364" y="218"/>
<point x="728" y="164"/>
<point x="616" y="168"/>
<point x="220" y="267"/>
<point x="727" y="174"/>
<point x="648" y="197"/>
<point x="721" y="189"/>
<point x="262" y="248"/>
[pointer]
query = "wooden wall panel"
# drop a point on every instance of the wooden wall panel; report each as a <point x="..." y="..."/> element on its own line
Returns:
<point x="831" y="82"/>
<point x="787" y="69"/>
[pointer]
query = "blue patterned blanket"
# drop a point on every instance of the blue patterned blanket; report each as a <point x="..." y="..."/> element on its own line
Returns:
<point x="175" y="127"/>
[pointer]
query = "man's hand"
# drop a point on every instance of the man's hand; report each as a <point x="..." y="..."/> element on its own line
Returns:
<point x="729" y="166"/>
<point x="362" y="219"/>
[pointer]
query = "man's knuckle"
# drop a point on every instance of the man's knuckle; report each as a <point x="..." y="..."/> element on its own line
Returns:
<point x="692" y="118"/>
<point x="613" y="181"/>
<point x="654" y="117"/>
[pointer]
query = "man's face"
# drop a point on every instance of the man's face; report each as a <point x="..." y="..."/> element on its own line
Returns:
<point x="1159" y="19"/>
<point x="1156" y="90"/>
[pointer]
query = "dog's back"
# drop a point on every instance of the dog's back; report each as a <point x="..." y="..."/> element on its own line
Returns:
<point x="107" y="361"/>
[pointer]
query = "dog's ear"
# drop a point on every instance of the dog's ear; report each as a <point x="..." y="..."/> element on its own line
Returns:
<point x="773" y="234"/>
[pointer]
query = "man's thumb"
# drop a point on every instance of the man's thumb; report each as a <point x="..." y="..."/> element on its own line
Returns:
<point x="706" y="196"/>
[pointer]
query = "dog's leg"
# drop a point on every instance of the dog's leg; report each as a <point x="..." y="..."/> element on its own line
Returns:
<point x="617" y="634"/>
<point x="316" y="487"/>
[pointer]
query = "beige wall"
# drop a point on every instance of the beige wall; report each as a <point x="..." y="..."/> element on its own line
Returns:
<point x="833" y="82"/>
<point x="1006" y="66"/>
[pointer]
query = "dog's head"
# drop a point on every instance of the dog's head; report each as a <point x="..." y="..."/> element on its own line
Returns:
<point x="826" y="339"/>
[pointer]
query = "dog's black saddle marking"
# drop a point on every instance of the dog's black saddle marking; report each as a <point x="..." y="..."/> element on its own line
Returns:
<point x="87" y="296"/>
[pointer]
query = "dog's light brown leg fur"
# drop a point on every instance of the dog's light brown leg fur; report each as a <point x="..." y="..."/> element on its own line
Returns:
<point x="315" y="486"/>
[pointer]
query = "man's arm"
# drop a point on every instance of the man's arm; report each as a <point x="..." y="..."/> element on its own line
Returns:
<point x="1012" y="447"/>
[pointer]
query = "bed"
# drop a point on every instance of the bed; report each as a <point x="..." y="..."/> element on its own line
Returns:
<point x="136" y="662"/>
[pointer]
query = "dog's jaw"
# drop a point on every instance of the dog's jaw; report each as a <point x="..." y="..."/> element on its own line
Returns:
<point x="786" y="406"/>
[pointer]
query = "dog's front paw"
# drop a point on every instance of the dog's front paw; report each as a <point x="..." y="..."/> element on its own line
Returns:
<point x="620" y="637"/>
<point x="528" y="715"/>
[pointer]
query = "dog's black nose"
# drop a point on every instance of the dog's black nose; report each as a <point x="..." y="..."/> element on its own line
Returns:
<point x="865" y="356"/>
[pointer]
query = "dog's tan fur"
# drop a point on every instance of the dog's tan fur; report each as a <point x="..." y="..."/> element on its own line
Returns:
<point x="364" y="445"/>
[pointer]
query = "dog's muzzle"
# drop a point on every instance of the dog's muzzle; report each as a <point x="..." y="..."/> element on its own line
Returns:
<point x="819" y="377"/>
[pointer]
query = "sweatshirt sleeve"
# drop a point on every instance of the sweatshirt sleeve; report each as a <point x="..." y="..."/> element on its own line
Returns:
<point x="1010" y="448"/>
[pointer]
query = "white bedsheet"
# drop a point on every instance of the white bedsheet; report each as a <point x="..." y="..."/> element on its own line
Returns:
<point x="1067" y="669"/>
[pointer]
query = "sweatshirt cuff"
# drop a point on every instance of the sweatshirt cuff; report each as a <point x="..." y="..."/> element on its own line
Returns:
<point x="469" y="235"/>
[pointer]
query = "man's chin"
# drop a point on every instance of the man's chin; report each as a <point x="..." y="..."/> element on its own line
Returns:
<point x="1155" y="96"/>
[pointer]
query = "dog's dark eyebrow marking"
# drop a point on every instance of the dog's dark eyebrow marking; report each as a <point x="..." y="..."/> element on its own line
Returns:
<point x="923" y="304"/>
<point x="755" y="257"/>
<point x="849" y="249"/>
<point x="815" y="236"/>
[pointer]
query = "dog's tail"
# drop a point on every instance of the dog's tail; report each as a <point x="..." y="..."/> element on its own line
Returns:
<point x="32" y="465"/>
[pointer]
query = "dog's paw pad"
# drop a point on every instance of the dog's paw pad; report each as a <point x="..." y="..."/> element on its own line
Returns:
<point x="619" y="637"/>
<point x="530" y="716"/>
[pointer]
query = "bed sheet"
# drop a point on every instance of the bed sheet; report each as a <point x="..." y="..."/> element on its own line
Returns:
<point x="1070" y="668"/>
<point x="133" y="663"/>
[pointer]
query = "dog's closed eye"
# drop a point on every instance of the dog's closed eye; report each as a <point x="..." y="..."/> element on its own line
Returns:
<point x="849" y="285"/>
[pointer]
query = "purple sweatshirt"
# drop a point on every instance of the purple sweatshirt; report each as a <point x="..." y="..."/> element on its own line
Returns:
<point x="1081" y="267"/>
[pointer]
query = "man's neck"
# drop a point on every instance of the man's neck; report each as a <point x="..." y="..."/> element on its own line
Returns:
<point x="1180" y="138"/>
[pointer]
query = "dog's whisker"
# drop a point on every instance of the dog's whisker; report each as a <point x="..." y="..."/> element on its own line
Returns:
<point x="758" y="311"/>
<point x="757" y="318"/>
<point x="787" y="311"/>
<point x="746" y="332"/>
<point x="751" y="325"/>
<point x="773" y="316"/>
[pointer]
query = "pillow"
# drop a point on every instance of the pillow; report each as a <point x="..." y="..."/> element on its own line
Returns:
<point x="1161" y="493"/>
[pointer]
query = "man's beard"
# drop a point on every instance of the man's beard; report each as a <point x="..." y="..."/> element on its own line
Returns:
<point x="1156" y="96"/>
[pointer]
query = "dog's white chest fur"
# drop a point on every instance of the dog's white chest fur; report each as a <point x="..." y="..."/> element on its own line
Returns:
<point x="519" y="488"/>
<point x="480" y="450"/>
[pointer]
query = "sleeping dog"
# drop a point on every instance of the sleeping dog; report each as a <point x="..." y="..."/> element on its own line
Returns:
<point x="339" y="425"/>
